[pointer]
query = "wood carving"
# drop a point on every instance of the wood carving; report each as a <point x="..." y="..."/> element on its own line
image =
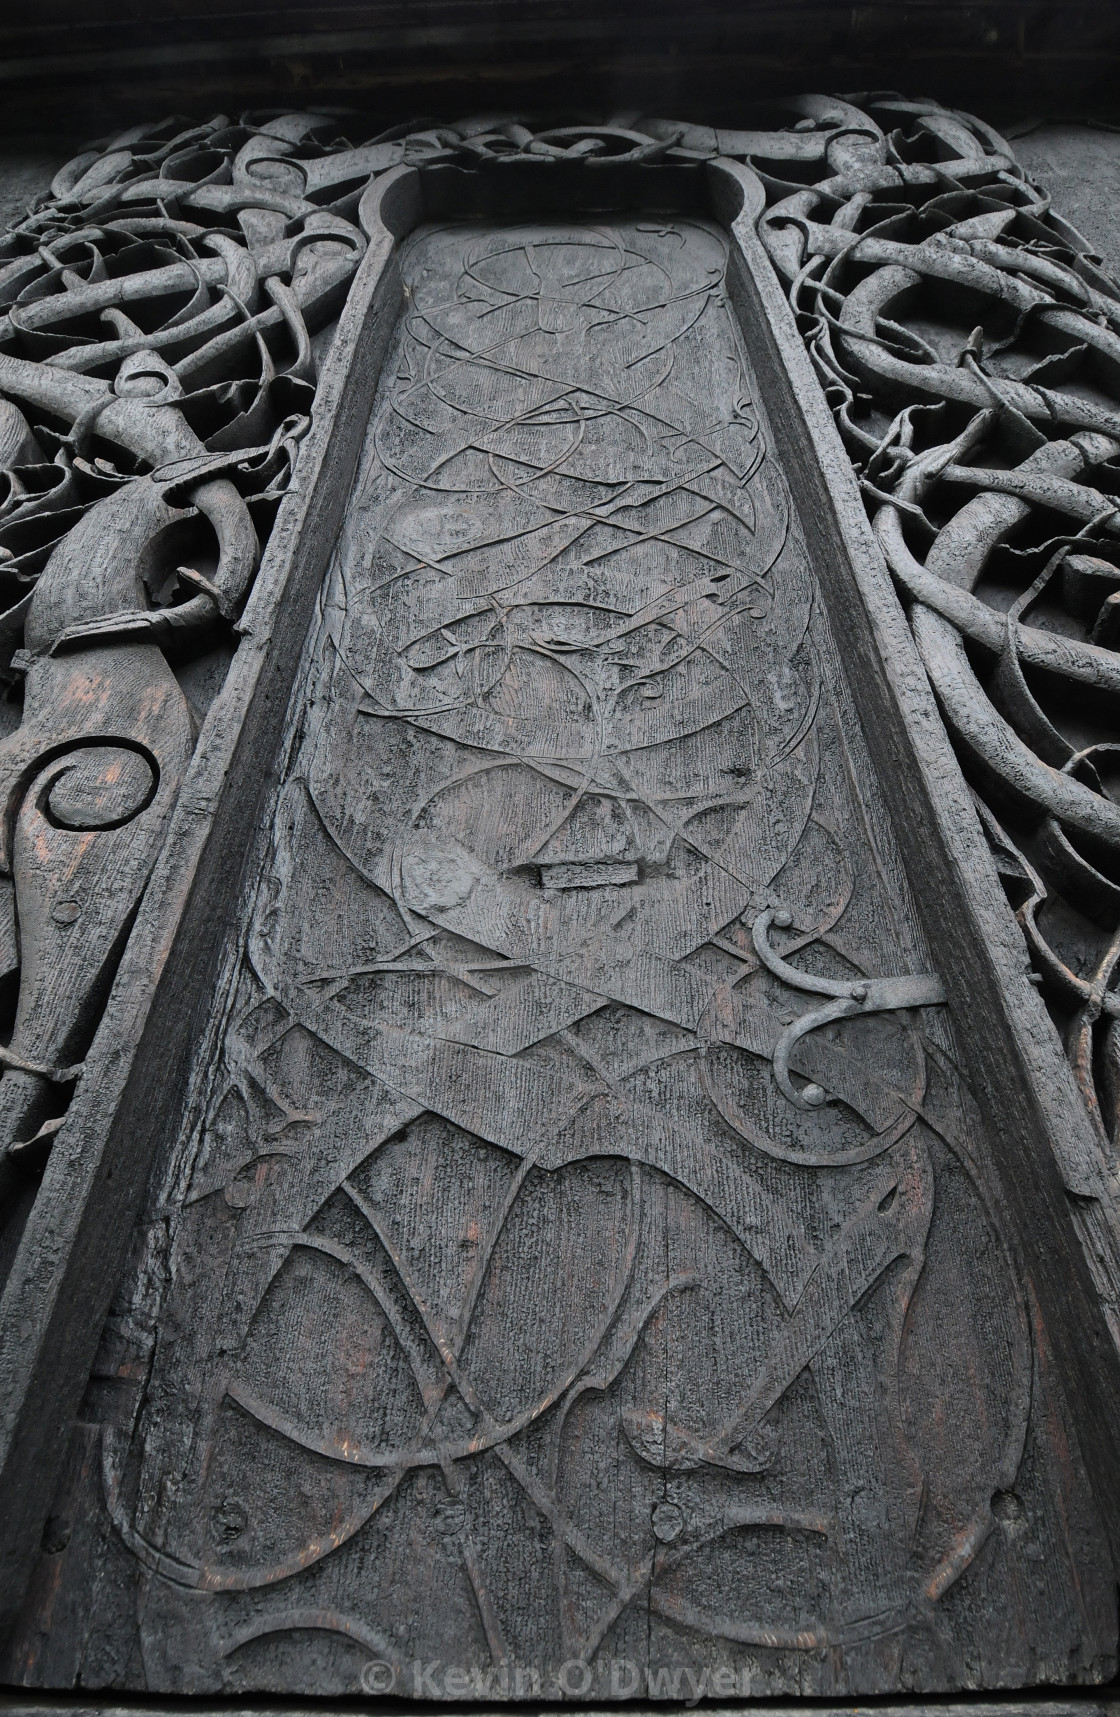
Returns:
<point x="585" y="1273"/>
<point x="581" y="1270"/>
<point x="969" y="342"/>
<point x="232" y="245"/>
<point x="156" y="370"/>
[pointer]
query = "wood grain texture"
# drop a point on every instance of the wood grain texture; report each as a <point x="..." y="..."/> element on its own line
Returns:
<point x="61" y="1282"/>
<point x="1056" y="1183"/>
<point x="1030" y="662"/>
<point x="584" y="1263"/>
<point x="514" y="1037"/>
<point x="176" y="352"/>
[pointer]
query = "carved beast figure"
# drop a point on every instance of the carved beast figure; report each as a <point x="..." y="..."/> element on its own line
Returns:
<point x="156" y="368"/>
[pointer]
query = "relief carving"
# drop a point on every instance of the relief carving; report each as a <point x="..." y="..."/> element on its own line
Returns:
<point x="234" y="243"/>
<point x="969" y="342"/>
<point x="156" y="370"/>
<point x="586" y="1254"/>
<point x="583" y="1247"/>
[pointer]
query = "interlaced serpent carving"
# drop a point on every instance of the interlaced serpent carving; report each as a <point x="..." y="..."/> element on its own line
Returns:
<point x="553" y="1272"/>
<point x="158" y="314"/>
<point x="160" y="308"/>
<point x="585" y="1247"/>
<point x="970" y="345"/>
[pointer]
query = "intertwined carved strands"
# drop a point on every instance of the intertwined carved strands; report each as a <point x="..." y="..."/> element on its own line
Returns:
<point x="162" y="315"/>
<point x="970" y="345"/>
<point x="580" y="1241"/>
<point x="586" y="1248"/>
<point x="157" y="361"/>
<point x="159" y="314"/>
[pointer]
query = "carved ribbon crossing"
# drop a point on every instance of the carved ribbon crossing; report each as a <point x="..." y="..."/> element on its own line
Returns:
<point x="564" y="838"/>
<point x="969" y="342"/>
<point x="544" y="1017"/>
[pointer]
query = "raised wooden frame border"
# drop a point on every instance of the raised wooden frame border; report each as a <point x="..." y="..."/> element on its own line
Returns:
<point x="59" y="1291"/>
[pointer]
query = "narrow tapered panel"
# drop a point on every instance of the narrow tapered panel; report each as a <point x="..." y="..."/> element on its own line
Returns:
<point x="584" y="1276"/>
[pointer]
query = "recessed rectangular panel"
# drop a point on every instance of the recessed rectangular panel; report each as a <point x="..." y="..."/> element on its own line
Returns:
<point x="585" y="1278"/>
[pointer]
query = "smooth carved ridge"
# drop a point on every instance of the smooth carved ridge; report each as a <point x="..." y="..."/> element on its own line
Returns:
<point x="969" y="343"/>
<point x="874" y="995"/>
<point x="157" y="319"/>
<point x="233" y="243"/>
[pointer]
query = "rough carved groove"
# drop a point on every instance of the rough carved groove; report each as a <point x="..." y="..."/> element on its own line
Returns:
<point x="158" y="315"/>
<point x="232" y="244"/>
<point x="970" y="345"/>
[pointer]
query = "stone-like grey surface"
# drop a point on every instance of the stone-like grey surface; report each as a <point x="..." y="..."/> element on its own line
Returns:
<point x="1080" y="166"/>
<point x="1078" y="163"/>
<point x="26" y="170"/>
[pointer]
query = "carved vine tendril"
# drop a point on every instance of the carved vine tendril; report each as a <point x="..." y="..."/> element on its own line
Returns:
<point x="250" y="233"/>
<point x="160" y="314"/>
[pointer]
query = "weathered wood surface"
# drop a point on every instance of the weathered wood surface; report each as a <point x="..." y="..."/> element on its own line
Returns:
<point x="54" y="1303"/>
<point x="173" y="346"/>
<point x="66" y="1264"/>
<point x="587" y="1265"/>
<point x="967" y="337"/>
<point x="1051" y="1164"/>
<point x="1006" y="1705"/>
<point x="1080" y="1704"/>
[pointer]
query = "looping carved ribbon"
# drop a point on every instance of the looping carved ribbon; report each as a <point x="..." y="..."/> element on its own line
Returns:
<point x="851" y="996"/>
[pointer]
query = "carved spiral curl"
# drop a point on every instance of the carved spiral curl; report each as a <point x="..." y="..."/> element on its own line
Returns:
<point x="163" y="312"/>
<point x="181" y="266"/>
<point x="265" y="179"/>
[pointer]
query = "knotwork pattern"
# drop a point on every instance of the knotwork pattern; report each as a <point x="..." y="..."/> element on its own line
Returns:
<point x="579" y="1240"/>
<point x="162" y="315"/>
<point x="530" y="1170"/>
<point x="969" y="342"/>
<point x="234" y="244"/>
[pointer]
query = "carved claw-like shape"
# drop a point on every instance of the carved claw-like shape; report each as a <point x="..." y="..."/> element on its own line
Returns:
<point x="851" y="997"/>
<point x="131" y="623"/>
<point x="156" y="626"/>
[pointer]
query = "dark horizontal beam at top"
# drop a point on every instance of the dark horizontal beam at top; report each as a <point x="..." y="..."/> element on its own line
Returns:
<point x="91" y="65"/>
<point x="64" y="32"/>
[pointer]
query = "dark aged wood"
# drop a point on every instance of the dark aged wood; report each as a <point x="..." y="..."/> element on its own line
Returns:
<point x="86" y="1204"/>
<point x="1079" y="1704"/>
<point x="560" y="954"/>
<point x="988" y="460"/>
<point x="181" y="351"/>
<point x="580" y="1264"/>
<point x="88" y="66"/>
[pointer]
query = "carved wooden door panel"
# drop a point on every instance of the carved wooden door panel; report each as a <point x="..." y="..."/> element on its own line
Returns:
<point x="581" y="1270"/>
